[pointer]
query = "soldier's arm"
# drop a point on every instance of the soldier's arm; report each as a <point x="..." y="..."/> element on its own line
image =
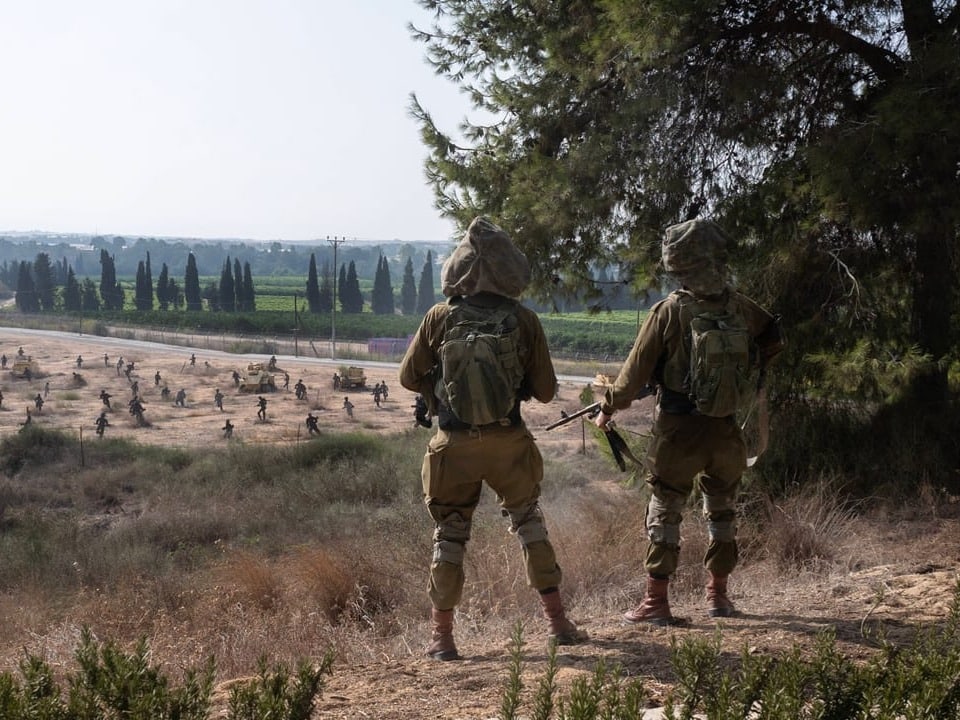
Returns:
<point x="637" y="371"/>
<point x="416" y="368"/>
<point x="540" y="379"/>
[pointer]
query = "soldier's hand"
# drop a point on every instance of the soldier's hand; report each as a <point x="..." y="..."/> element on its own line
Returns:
<point x="601" y="420"/>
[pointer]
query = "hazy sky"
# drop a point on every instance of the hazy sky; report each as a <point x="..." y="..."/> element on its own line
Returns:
<point x="259" y="119"/>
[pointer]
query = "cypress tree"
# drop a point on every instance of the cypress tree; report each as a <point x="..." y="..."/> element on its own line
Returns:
<point x="426" y="298"/>
<point x="88" y="296"/>
<point x="249" y="299"/>
<point x="354" y="298"/>
<point x="43" y="282"/>
<point x="191" y="285"/>
<point x="313" y="286"/>
<point x="227" y="296"/>
<point x="238" y="286"/>
<point x="163" y="293"/>
<point x="71" y="293"/>
<point x="408" y="291"/>
<point x="26" y="298"/>
<point x="326" y="291"/>
<point x="110" y="292"/>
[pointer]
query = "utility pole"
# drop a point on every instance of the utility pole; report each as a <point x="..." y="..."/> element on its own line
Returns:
<point x="296" y="326"/>
<point x="336" y="242"/>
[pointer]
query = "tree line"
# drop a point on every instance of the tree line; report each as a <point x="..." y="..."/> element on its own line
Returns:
<point x="45" y="286"/>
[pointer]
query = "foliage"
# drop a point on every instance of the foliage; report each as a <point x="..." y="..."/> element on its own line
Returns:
<point x="408" y="291"/>
<point x="425" y="293"/>
<point x="276" y="695"/>
<point x="819" y="135"/>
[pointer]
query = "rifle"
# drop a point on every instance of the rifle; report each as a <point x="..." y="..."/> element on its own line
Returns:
<point x="618" y="446"/>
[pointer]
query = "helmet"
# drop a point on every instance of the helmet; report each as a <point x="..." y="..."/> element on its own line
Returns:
<point x="695" y="253"/>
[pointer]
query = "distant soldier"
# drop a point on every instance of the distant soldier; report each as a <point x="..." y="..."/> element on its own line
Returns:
<point x="1" y="398"/>
<point x="136" y="409"/>
<point x="105" y="397"/>
<point x="193" y="359"/>
<point x="20" y="351"/>
<point x="79" y="361"/>
<point x="218" y="399"/>
<point x="376" y="394"/>
<point x="272" y="365"/>
<point x="156" y="379"/>
<point x="181" y="398"/>
<point x="106" y="360"/>
<point x="383" y="389"/>
<point x="421" y="413"/>
<point x="127" y="370"/>
<point x="262" y="404"/>
<point x="28" y="374"/>
<point x="348" y="406"/>
<point x="46" y="387"/>
<point x="286" y="382"/>
<point x="228" y="429"/>
<point x="236" y="379"/>
<point x="38" y="401"/>
<point x="102" y="423"/>
<point x="3" y="361"/>
<point x="28" y="420"/>
<point x="135" y="387"/>
<point x="165" y="393"/>
<point x="336" y="381"/>
<point x="300" y="389"/>
<point x="119" y="365"/>
<point x="312" y="424"/>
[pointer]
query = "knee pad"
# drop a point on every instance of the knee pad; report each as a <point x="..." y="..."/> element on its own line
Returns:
<point x="453" y="527"/>
<point x="448" y="551"/>
<point x="722" y="531"/>
<point x="663" y="522"/>
<point x="527" y="524"/>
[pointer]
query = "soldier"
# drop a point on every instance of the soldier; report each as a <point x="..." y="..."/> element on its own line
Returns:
<point x="127" y="370"/>
<point x="218" y="399"/>
<point x="301" y="389"/>
<point x="20" y="351"/>
<point x="3" y="361"/>
<point x="262" y="405"/>
<point x="483" y="276"/>
<point x="105" y="398"/>
<point x="193" y="359"/>
<point x="336" y="381"/>
<point x="228" y="429"/>
<point x="79" y="361"/>
<point x="38" y="401"/>
<point x="28" y="420"/>
<point x="102" y="423"/>
<point x="119" y="365"/>
<point x="312" y="428"/>
<point x="165" y="393"/>
<point x="1" y="398"/>
<point x="181" y="399"/>
<point x="156" y="379"/>
<point x="236" y="379"/>
<point x="286" y="382"/>
<point x="272" y="364"/>
<point x="106" y="360"/>
<point x="348" y="406"/>
<point x="135" y="387"/>
<point x="383" y="389"/>
<point x="420" y="412"/>
<point x="46" y="387"/>
<point x="376" y="394"/>
<point x="136" y="409"/>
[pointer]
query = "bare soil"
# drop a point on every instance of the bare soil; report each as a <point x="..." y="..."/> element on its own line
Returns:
<point x="901" y="575"/>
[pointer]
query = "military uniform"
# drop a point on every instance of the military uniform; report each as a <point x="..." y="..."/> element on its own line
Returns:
<point x="460" y="457"/>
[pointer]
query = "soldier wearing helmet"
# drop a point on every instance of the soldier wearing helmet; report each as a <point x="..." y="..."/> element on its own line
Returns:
<point x="697" y="441"/>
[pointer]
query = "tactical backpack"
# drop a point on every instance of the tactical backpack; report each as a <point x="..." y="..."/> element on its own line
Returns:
<point x="721" y="377"/>
<point x="480" y="367"/>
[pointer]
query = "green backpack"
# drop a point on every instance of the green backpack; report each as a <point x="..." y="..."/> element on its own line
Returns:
<point x="722" y="376"/>
<point x="480" y="367"/>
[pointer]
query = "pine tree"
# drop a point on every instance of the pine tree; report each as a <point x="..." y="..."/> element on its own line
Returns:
<point x="426" y="297"/>
<point x="191" y="285"/>
<point x="313" y="286"/>
<point x="408" y="291"/>
<point x="71" y="293"/>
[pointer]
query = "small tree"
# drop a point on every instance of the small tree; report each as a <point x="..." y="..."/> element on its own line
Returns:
<point x="191" y="285"/>
<point x="71" y="293"/>
<point x="26" y="299"/>
<point x="88" y="296"/>
<point x="313" y="286"/>
<point x="408" y="291"/>
<point x="227" y="293"/>
<point x="425" y="293"/>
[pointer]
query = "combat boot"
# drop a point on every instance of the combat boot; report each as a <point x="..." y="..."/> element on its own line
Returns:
<point x="655" y="608"/>
<point x="442" y="646"/>
<point x="718" y="604"/>
<point x="562" y="630"/>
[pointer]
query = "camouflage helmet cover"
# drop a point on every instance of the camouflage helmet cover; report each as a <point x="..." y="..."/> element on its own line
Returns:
<point x="486" y="260"/>
<point x="695" y="253"/>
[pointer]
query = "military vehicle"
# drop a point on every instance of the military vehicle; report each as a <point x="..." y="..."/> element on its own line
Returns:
<point x="349" y="378"/>
<point x="25" y="366"/>
<point x="257" y="379"/>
